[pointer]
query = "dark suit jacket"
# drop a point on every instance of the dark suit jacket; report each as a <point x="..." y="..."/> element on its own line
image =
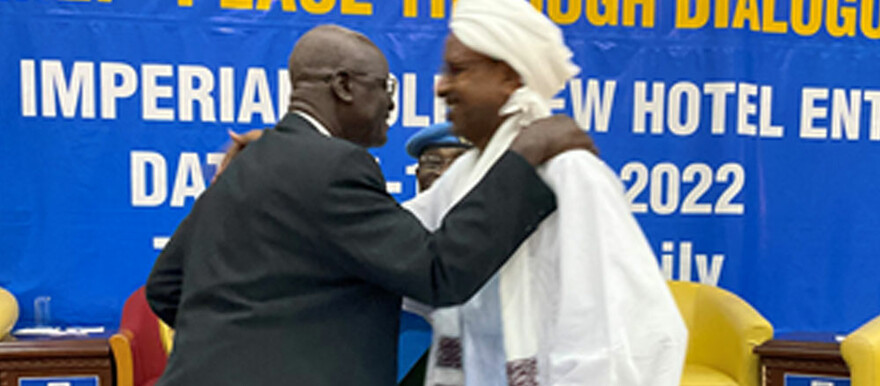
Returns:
<point x="290" y="269"/>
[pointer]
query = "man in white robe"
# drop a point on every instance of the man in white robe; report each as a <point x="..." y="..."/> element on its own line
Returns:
<point x="582" y="301"/>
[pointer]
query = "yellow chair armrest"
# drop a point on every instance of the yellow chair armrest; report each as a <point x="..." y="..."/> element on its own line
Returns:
<point x="861" y="351"/>
<point x="751" y="330"/>
<point x="8" y="312"/>
<point x="120" y="345"/>
<point x="166" y="334"/>
<point x="729" y="329"/>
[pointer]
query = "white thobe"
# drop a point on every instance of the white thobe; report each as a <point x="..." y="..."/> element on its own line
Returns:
<point x="603" y="312"/>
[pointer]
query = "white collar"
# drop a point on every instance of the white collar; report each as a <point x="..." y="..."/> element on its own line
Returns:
<point x="318" y="126"/>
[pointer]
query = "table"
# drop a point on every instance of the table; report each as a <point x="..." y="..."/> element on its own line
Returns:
<point x="802" y="359"/>
<point x="70" y="361"/>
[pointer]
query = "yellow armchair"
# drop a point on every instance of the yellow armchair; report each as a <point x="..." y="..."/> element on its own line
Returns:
<point x="8" y="312"/>
<point x="722" y="331"/>
<point x="861" y="351"/>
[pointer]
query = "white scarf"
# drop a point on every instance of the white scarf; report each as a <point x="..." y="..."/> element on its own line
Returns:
<point x="580" y="302"/>
<point x="520" y="325"/>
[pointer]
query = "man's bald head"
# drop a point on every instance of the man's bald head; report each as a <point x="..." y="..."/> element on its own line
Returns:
<point x="340" y="77"/>
<point x="330" y="48"/>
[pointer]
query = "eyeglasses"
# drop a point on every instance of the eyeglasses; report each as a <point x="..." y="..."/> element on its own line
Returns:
<point x="386" y="82"/>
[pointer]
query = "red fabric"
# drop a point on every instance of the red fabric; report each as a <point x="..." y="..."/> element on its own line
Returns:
<point x="148" y="356"/>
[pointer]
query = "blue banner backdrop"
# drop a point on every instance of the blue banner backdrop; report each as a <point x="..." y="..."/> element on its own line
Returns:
<point x="745" y="131"/>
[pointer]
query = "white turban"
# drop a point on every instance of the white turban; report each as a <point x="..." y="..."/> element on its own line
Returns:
<point x="514" y="32"/>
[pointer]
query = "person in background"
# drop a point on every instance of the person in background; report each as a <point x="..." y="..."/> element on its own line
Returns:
<point x="435" y="147"/>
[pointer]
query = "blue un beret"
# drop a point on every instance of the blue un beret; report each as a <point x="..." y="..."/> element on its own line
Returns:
<point x="439" y="134"/>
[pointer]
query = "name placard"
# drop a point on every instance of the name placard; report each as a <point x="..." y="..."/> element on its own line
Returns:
<point x="814" y="380"/>
<point x="60" y="381"/>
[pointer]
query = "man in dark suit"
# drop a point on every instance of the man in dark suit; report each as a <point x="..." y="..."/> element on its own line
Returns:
<point x="290" y="269"/>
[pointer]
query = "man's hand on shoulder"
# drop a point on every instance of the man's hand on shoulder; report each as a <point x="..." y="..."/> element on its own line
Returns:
<point x="239" y="142"/>
<point x="545" y="138"/>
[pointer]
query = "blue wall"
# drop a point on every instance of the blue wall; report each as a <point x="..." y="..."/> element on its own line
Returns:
<point x="748" y="143"/>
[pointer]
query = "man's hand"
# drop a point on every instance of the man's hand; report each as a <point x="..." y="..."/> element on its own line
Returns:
<point x="239" y="141"/>
<point x="545" y="138"/>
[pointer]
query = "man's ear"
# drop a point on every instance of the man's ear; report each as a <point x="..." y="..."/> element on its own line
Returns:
<point x="512" y="80"/>
<point x="341" y="86"/>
